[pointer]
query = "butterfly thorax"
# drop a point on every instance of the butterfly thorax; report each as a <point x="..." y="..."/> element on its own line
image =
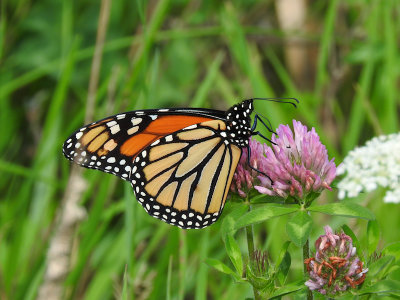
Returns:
<point x="239" y="123"/>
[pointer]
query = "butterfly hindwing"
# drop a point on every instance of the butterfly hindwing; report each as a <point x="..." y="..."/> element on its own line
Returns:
<point x="111" y="144"/>
<point x="184" y="178"/>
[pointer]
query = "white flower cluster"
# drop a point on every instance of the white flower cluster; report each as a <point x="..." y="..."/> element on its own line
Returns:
<point x="375" y="164"/>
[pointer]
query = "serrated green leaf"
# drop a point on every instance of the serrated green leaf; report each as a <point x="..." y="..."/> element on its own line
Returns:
<point x="299" y="227"/>
<point x="233" y="250"/>
<point x="263" y="213"/>
<point x="288" y="289"/>
<point x="373" y="236"/>
<point x="383" y="286"/>
<point x="344" y="209"/>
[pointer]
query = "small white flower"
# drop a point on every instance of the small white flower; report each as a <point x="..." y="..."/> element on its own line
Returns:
<point x="375" y="164"/>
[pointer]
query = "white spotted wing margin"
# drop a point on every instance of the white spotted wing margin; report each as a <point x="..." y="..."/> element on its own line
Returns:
<point x="184" y="178"/>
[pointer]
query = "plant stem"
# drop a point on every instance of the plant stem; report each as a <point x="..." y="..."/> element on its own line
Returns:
<point x="306" y="254"/>
<point x="182" y="264"/>
<point x="250" y="248"/>
<point x="250" y="240"/>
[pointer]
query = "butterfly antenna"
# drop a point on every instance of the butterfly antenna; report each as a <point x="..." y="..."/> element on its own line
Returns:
<point x="289" y="100"/>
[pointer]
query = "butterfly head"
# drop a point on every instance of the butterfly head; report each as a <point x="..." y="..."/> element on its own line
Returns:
<point x="239" y="123"/>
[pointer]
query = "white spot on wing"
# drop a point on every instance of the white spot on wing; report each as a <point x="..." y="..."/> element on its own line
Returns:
<point x="132" y="130"/>
<point x="190" y="127"/>
<point x="111" y="123"/>
<point x="136" y="121"/>
<point x="155" y="143"/>
<point x="115" y="129"/>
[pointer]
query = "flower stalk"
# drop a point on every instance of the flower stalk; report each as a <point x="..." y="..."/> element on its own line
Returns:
<point x="306" y="256"/>
<point x="250" y="249"/>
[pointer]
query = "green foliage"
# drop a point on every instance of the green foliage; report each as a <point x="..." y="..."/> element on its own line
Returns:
<point x="263" y="213"/>
<point x="344" y="209"/>
<point x="299" y="228"/>
<point x="181" y="53"/>
<point x="373" y="236"/>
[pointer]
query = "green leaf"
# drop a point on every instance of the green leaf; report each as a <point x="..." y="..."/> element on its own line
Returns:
<point x="347" y="230"/>
<point x="392" y="249"/>
<point x="228" y="223"/>
<point x="378" y="269"/>
<point x="283" y="251"/>
<point x="283" y="263"/>
<point x="263" y="213"/>
<point x="289" y="288"/>
<point x="373" y="236"/>
<point x="233" y="250"/>
<point x="344" y="209"/>
<point x="383" y="286"/>
<point x="261" y="198"/>
<point x="299" y="227"/>
<point x="283" y="268"/>
<point x="220" y="266"/>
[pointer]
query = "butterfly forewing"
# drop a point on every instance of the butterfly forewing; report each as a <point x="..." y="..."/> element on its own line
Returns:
<point x="184" y="178"/>
<point x="111" y="144"/>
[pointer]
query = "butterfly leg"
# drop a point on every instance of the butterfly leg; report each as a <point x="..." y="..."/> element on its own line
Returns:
<point x="258" y="118"/>
<point x="251" y="167"/>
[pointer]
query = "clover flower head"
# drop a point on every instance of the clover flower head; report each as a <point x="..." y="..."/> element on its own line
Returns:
<point x="375" y="164"/>
<point x="335" y="267"/>
<point x="244" y="177"/>
<point x="296" y="164"/>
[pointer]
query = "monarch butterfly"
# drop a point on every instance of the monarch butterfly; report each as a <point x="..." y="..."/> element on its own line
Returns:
<point x="180" y="162"/>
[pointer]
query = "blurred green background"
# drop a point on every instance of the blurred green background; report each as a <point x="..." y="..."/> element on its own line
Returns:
<point x="339" y="58"/>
